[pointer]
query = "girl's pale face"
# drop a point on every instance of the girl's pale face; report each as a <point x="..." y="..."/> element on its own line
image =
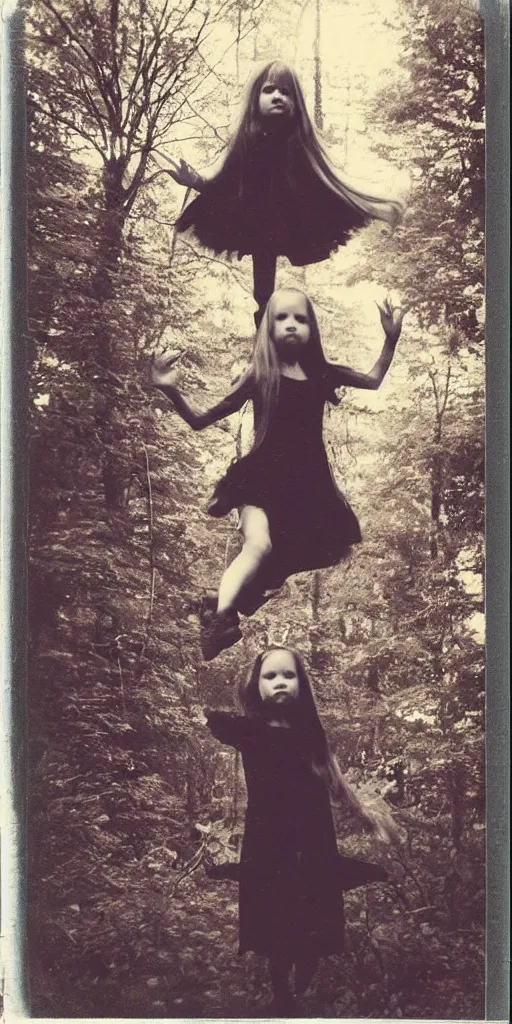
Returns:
<point x="276" y="101"/>
<point x="279" y="681"/>
<point x="290" y="319"/>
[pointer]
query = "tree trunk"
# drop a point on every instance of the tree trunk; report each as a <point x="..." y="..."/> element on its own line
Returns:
<point x="436" y="499"/>
<point x="109" y="353"/>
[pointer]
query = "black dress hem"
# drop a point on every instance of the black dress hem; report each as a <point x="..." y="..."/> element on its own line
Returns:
<point x="312" y="525"/>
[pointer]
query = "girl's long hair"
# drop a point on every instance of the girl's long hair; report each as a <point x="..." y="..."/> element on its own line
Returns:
<point x="265" y="367"/>
<point x="302" y="138"/>
<point x="306" y="719"/>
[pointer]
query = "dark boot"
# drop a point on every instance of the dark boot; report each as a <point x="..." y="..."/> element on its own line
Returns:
<point x="208" y="606"/>
<point x="218" y="630"/>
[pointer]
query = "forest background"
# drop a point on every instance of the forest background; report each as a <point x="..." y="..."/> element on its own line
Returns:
<point x="130" y="799"/>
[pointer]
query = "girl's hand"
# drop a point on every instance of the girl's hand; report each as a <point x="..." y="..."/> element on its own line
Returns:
<point x="162" y="369"/>
<point x="391" y="317"/>
<point x="182" y="172"/>
<point x="179" y="171"/>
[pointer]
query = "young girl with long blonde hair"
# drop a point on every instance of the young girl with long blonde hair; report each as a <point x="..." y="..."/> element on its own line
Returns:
<point x="293" y="517"/>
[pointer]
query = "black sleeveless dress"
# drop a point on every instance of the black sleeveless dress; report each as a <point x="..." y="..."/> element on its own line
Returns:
<point x="312" y="525"/>
<point x="276" y="204"/>
<point x="291" y="892"/>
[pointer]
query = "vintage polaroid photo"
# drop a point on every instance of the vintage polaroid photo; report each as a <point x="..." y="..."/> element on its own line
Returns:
<point x="246" y="438"/>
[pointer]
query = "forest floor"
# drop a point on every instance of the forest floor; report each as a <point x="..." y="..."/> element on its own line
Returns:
<point x="139" y="970"/>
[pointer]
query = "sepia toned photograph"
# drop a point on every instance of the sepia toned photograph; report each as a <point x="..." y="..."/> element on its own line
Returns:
<point x="256" y="441"/>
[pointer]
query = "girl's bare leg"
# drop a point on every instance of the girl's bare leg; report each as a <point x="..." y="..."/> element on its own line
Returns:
<point x="264" y="277"/>
<point x="256" y="547"/>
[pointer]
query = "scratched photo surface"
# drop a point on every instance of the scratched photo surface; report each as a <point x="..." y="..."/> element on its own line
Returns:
<point x="136" y="811"/>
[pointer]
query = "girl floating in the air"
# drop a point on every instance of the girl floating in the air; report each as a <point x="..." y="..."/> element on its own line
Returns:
<point x="291" y="875"/>
<point x="275" y="193"/>
<point x="292" y="515"/>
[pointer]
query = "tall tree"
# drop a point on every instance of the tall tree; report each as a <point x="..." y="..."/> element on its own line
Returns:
<point x="436" y="113"/>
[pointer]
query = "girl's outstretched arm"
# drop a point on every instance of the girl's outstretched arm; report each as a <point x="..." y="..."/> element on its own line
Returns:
<point x="228" y="728"/>
<point x="162" y="377"/>
<point x="391" y="319"/>
<point x="184" y="174"/>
